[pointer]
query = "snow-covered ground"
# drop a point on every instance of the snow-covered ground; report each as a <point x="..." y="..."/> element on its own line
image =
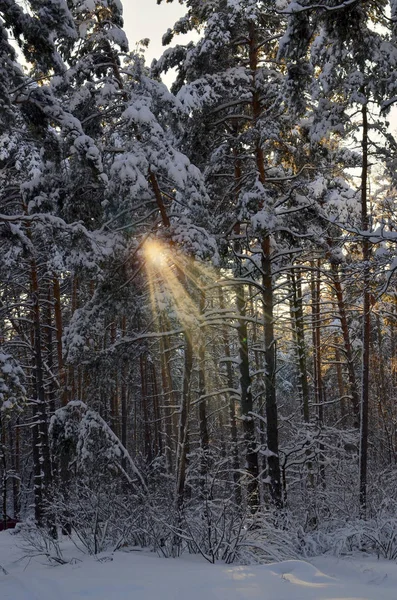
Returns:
<point x="144" y="576"/>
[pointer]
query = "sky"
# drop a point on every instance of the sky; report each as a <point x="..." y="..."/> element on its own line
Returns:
<point x="147" y="19"/>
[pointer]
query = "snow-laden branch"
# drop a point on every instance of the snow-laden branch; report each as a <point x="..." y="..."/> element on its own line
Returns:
<point x="296" y="8"/>
<point x="89" y="417"/>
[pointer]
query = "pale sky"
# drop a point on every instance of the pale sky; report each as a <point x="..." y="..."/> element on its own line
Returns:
<point x="147" y="19"/>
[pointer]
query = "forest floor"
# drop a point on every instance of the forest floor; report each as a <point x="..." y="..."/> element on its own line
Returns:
<point x="144" y="576"/>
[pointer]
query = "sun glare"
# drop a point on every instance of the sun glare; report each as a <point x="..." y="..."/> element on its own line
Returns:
<point x="155" y="253"/>
<point x="175" y="281"/>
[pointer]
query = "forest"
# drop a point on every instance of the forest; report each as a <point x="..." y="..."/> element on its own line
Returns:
<point x="198" y="298"/>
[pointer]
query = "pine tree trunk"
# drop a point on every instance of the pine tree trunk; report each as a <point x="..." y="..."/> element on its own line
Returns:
<point x="15" y="468"/>
<point x="169" y="399"/>
<point x="353" y="387"/>
<point x="317" y="359"/>
<point x="50" y="357"/>
<point x="183" y="432"/>
<point x="268" y="301"/>
<point x="145" y="409"/>
<point x="39" y="399"/>
<point x="59" y="333"/>
<point x="297" y="315"/>
<point x="339" y="377"/>
<point x="235" y="460"/>
<point x="202" y="405"/>
<point x="72" y="374"/>
<point x="114" y="398"/>
<point x="158" y="442"/>
<point x="251" y="454"/>
<point x="270" y="360"/>
<point x="123" y="393"/>
<point x="3" y="461"/>
<point x="366" y="322"/>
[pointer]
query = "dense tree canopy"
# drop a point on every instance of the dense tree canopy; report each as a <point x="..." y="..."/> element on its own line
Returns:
<point x="197" y="291"/>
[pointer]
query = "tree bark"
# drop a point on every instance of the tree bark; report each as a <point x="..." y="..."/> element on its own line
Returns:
<point x="267" y="296"/>
<point x="59" y="333"/>
<point x="270" y="378"/>
<point x="366" y="322"/>
<point x="183" y="432"/>
<point x="317" y="358"/>
<point x="353" y="387"/>
<point x="39" y="398"/>
<point x="297" y="315"/>
<point x="235" y="459"/>
<point x="251" y="454"/>
<point x="202" y="406"/>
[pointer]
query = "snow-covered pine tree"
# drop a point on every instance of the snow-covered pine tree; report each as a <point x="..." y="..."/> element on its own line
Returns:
<point x="241" y="135"/>
<point x="352" y="55"/>
<point x="37" y="135"/>
<point x="150" y="186"/>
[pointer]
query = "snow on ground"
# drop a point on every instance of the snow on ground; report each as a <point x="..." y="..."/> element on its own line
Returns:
<point x="144" y="576"/>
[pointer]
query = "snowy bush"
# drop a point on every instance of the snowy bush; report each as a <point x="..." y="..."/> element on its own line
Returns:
<point x="38" y="541"/>
<point x="12" y="391"/>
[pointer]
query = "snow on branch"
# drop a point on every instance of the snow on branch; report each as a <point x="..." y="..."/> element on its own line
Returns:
<point x="295" y="7"/>
<point x="91" y="435"/>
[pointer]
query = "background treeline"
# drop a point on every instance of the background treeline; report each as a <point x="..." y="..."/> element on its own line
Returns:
<point x="197" y="301"/>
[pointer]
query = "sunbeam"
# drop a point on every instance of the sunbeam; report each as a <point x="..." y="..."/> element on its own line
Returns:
<point x="176" y="279"/>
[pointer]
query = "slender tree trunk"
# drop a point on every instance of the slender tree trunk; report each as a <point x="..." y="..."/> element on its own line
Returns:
<point x="183" y="432"/>
<point x="353" y="387"/>
<point x="59" y="333"/>
<point x="15" y="472"/>
<point x="40" y="400"/>
<point x="297" y="315"/>
<point x="3" y="460"/>
<point x="235" y="459"/>
<point x="251" y="454"/>
<point x="268" y="300"/>
<point x="17" y="496"/>
<point x="72" y="374"/>
<point x="158" y="443"/>
<point x="202" y="405"/>
<point x="169" y="399"/>
<point x="317" y="358"/>
<point x="393" y="341"/>
<point x="123" y="393"/>
<point x="270" y="360"/>
<point x="339" y="377"/>
<point x="145" y="409"/>
<point x="114" y="399"/>
<point x="366" y="321"/>
<point x="64" y="459"/>
<point x="50" y="356"/>
<point x="37" y="474"/>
